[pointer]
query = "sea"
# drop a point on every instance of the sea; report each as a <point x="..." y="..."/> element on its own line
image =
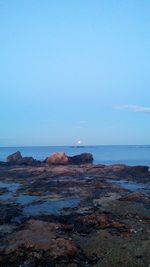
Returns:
<point x="103" y="154"/>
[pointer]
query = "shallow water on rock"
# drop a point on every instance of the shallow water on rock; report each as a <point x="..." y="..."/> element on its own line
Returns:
<point x="5" y="196"/>
<point x="25" y="199"/>
<point x="132" y="186"/>
<point x="31" y="208"/>
<point x="12" y="187"/>
<point x="51" y="207"/>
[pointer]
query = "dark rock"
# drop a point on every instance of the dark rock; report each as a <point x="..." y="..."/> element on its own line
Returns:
<point x="98" y="220"/>
<point x="27" y="161"/>
<point x="135" y="196"/>
<point x="81" y="159"/>
<point x="119" y="169"/>
<point x="127" y="169"/>
<point x="58" y="158"/>
<point x="4" y="164"/>
<point x="14" y="158"/>
<point x="8" y="212"/>
<point x="139" y="169"/>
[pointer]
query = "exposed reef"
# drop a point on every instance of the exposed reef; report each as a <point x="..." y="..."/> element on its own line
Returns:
<point x="66" y="212"/>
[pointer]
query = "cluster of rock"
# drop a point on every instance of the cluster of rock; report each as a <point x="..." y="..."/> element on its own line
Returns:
<point x="59" y="158"/>
<point x="16" y="158"/>
<point x="62" y="158"/>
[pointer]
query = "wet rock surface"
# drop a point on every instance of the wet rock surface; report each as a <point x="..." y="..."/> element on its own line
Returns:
<point x="74" y="215"/>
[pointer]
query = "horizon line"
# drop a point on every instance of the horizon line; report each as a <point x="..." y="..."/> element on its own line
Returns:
<point x="76" y="146"/>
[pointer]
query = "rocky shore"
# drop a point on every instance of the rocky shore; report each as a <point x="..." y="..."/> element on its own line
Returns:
<point x="67" y="212"/>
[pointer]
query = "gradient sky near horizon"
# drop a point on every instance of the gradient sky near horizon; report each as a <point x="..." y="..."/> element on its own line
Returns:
<point x="74" y="70"/>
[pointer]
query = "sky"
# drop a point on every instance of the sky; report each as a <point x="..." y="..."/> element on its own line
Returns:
<point x="74" y="70"/>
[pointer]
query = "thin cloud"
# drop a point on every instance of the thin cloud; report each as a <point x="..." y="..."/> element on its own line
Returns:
<point x="135" y="108"/>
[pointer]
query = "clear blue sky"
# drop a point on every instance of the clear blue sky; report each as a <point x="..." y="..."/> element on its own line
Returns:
<point x="74" y="70"/>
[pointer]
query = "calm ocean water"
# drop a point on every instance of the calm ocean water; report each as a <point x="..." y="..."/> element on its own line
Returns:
<point x="131" y="155"/>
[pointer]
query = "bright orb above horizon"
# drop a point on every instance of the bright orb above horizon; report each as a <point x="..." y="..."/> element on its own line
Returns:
<point x="79" y="142"/>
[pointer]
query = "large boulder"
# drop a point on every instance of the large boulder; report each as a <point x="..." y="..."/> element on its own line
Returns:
<point x="59" y="158"/>
<point x="15" y="157"/>
<point x="81" y="159"/>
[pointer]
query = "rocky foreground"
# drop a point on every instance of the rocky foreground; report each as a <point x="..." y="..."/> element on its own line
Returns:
<point x="67" y="212"/>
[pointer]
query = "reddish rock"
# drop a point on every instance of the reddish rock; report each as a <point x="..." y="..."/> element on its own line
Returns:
<point x="37" y="234"/>
<point x="58" y="158"/>
<point x="99" y="220"/>
<point x="103" y="221"/>
<point x="118" y="225"/>
<point x="41" y="236"/>
<point x="63" y="247"/>
<point x="133" y="196"/>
